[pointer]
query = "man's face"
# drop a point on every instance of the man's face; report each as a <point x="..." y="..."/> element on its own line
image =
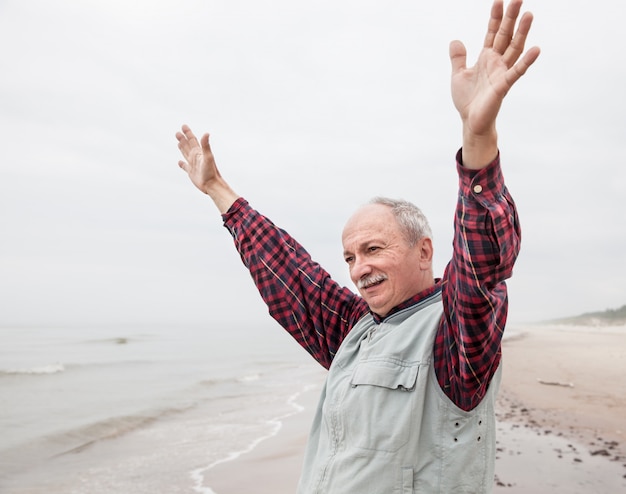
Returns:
<point x="383" y="266"/>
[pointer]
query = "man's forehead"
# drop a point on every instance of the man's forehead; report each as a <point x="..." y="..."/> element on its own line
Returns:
<point x="371" y="213"/>
<point x="371" y="220"/>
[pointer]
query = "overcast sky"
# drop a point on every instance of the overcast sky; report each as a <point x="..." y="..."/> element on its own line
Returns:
<point x="313" y="108"/>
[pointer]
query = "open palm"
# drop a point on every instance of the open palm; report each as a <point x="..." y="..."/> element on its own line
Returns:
<point x="478" y="91"/>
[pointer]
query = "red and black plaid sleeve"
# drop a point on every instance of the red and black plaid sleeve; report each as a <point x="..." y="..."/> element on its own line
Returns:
<point x="299" y="294"/>
<point x="486" y="244"/>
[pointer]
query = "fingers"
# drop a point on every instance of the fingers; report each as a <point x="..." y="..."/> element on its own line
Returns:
<point x="187" y="143"/>
<point x="191" y="138"/>
<point x="204" y="141"/>
<point x="458" y="56"/>
<point x="495" y="20"/>
<point x="504" y="35"/>
<point x="520" y="68"/>
<point x="186" y="136"/>
<point x="183" y="140"/>
<point x="516" y="46"/>
<point x="207" y="154"/>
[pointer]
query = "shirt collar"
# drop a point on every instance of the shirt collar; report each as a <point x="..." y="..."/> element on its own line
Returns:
<point x="423" y="295"/>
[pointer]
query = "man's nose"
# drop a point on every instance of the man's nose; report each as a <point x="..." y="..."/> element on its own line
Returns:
<point x="359" y="268"/>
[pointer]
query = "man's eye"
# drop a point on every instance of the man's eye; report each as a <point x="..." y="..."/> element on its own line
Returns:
<point x="349" y="259"/>
<point x="373" y="248"/>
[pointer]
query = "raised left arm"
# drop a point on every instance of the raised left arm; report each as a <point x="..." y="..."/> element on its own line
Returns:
<point x="486" y="244"/>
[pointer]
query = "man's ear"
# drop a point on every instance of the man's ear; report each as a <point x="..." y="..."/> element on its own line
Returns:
<point x="425" y="251"/>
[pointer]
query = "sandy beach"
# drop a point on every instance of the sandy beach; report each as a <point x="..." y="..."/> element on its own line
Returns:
<point x="561" y="416"/>
<point x="561" y="411"/>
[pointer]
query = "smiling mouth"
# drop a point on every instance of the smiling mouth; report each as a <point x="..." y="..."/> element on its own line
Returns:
<point x="370" y="281"/>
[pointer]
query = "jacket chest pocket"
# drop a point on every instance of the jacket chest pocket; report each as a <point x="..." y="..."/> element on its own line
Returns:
<point x="379" y="407"/>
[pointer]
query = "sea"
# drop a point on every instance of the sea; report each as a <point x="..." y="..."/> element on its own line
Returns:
<point x="114" y="409"/>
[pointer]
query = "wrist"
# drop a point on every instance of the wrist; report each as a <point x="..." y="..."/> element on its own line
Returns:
<point x="221" y="194"/>
<point x="479" y="149"/>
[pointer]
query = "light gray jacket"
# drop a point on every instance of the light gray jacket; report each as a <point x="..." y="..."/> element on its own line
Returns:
<point x="383" y="424"/>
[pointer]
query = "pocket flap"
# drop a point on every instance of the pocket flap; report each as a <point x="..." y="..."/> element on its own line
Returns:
<point x="388" y="373"/>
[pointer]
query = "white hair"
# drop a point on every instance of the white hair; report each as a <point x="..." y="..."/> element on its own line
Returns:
<point x="412" y="221"/>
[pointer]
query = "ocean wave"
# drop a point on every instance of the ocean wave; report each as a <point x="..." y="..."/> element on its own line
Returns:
<point x="81" y="438"/>
<point x="58" y="367"/>
<point x="242" y="379"/>
<point x="35" y="371"/>
<point x="248" y="378"/>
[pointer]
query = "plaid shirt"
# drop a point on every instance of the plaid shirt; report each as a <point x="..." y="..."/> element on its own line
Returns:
<point x="319" y="313"/>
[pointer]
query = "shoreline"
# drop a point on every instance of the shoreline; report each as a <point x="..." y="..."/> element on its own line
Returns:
<point x="274" y="465"/>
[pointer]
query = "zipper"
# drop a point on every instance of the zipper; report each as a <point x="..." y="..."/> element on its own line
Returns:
<point x="370" y="333"/>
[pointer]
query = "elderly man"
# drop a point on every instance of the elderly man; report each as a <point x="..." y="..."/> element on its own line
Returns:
<point x="413" y="362"/>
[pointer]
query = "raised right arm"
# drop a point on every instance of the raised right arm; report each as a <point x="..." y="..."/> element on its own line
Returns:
<point x="299" y="293"/>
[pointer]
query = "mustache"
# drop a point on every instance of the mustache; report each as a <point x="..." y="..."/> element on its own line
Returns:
<point x="370" y="280"/>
